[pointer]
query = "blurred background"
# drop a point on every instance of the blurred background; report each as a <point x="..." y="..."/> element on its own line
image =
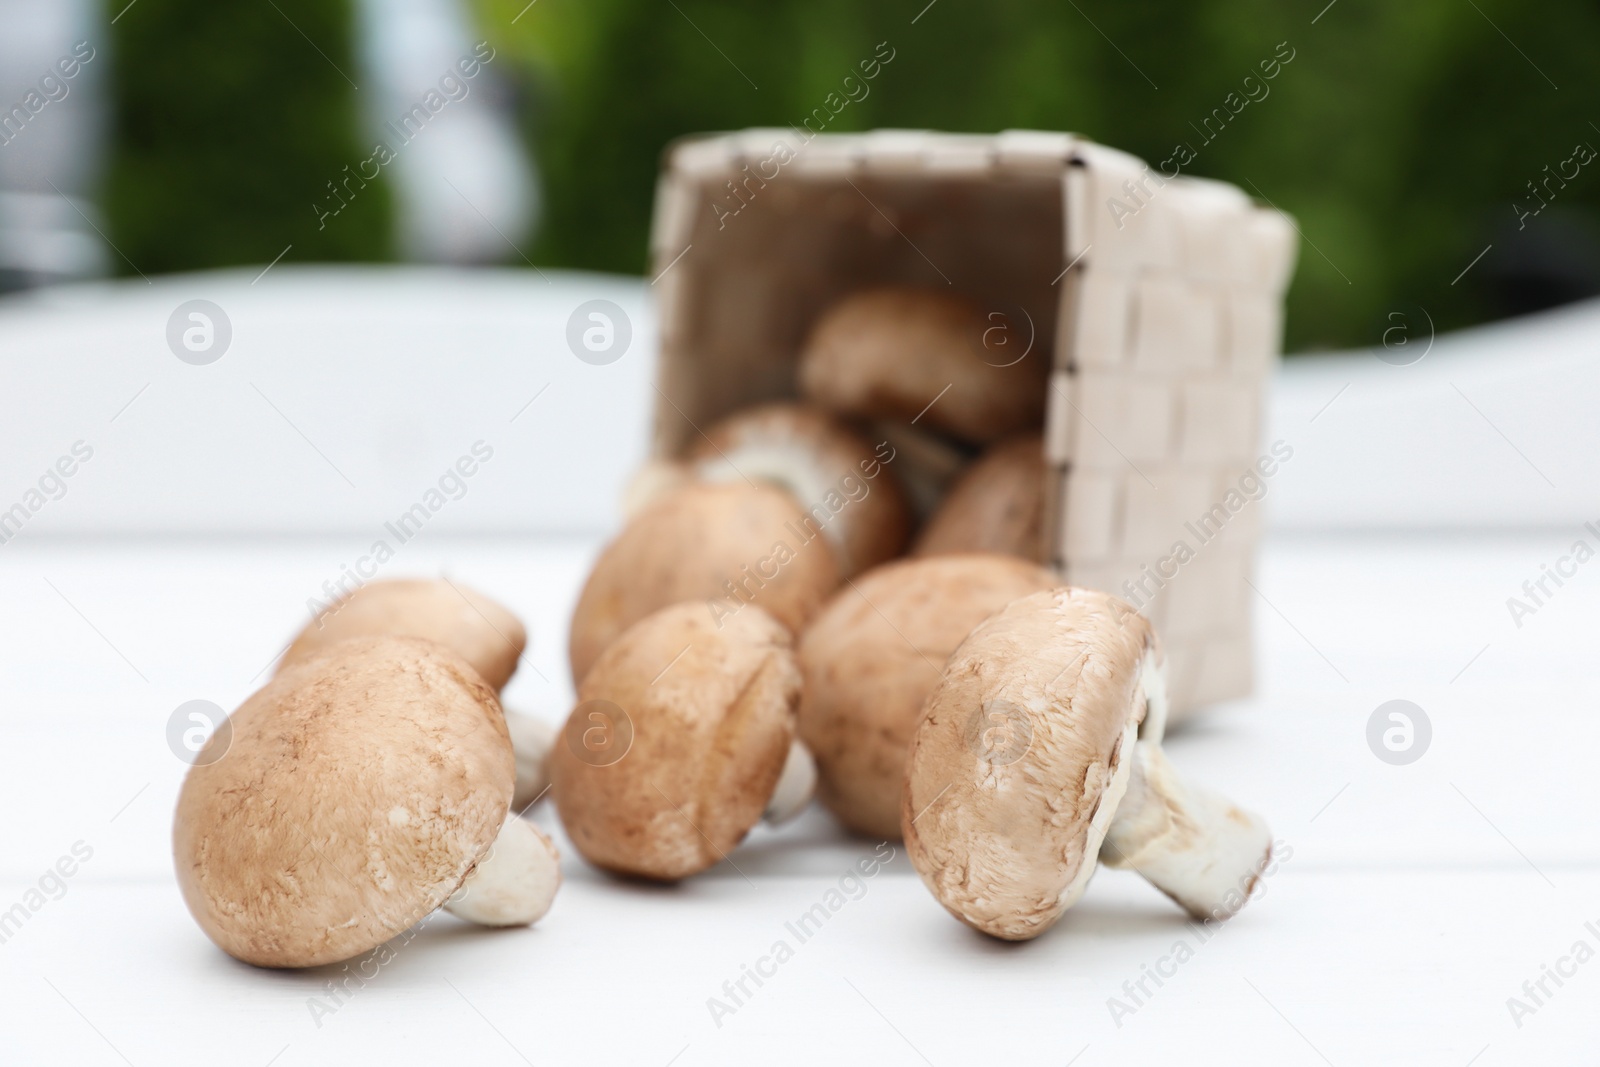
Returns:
<point x="156" y="136"/>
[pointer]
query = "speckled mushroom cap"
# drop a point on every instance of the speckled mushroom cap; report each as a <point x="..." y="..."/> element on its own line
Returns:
<point x="729" y="545"/>
<point x="889" y="352"/>
<point x="830" y="470"/>
<point x="997" y="505"/>
<point x="1023" y="757"/>
<point x="359" y="789"/>
<point x="711" y="713"/>
<point x="872" y="657"/>
<point x="476" y="628"/>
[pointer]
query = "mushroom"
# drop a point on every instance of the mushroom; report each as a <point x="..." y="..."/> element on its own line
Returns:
<point x="926" y="462"/>
<point x="923" y="354"/>
<point x="870" y="659"/>
<point x="654" y="479"/>
<point x="476" y="628"/>
<point x="1028" y="766"/>
<point x="997" y="505"/>
<point x="473" y="626"/>
<point x="841" y="483"/>
<point x="729" y="546"/>
<point x="361" y="789"/>
<point x="705" y="715"/>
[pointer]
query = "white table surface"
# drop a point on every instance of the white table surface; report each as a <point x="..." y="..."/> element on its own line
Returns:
<point x="1417" y="899"/>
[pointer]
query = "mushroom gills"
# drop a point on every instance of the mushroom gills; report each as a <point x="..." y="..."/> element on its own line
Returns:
<point x="928" y="463"/>
<point x="1156" y="705"/>
<point x="1106" y="809"/>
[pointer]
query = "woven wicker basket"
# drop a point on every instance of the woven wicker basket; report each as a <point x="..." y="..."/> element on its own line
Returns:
<point x="1158" y="300"/>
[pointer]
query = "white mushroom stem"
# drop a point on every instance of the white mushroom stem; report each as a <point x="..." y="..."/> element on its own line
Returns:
<point x="1195" y="846"/>
<point x="530" y="743"/>
<point x="796" y="785"/>
<point x="514" y="883"/>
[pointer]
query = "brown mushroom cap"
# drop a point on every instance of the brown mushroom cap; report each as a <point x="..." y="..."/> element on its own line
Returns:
<point x="1023" y="756"/>
<point x="358" y="790"/>
<point x="654" y="479"/>
<point x="888" y="353"/>
<point x="730" y="545"/>
<point x="465" y="621"/>
<point x="834" y="474"/>
<point x="997" y="505"/>
<point x="711" y="712"/>
<point x="871" y="658"/>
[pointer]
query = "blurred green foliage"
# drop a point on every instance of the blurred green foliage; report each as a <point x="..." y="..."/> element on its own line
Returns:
<point x="1401" y="135"/>
<point x="229" y="121"/>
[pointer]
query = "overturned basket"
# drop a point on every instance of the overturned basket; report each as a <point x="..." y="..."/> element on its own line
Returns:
<point x="1158" y="301"/>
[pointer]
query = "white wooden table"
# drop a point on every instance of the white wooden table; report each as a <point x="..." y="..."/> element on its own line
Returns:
<point x="1417" y="899"/>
